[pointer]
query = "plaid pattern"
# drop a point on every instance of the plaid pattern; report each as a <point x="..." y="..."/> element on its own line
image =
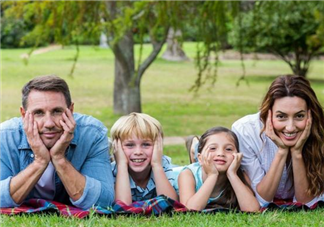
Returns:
<point x="156" y="206"/>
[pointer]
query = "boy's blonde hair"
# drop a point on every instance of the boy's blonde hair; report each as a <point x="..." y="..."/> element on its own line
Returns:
<point x="136" y="124"/>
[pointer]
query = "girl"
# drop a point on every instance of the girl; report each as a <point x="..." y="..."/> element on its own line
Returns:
<point x="216" y="180"/>
<point x="283" y="144"/>
<point x="141" y="171"/>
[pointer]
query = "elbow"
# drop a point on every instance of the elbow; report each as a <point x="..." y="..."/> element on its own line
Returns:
<point x="254" y="207"/>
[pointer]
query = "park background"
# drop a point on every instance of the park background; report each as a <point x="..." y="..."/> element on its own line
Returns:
<point x="166" y="93"/>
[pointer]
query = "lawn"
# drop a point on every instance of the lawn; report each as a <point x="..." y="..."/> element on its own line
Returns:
<point x="165" y="96"/>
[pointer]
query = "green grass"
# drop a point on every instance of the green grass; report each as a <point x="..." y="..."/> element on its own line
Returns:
<point x="269" y="218"/>
<point x="165" y="96"/>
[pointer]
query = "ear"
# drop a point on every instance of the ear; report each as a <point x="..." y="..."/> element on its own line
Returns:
<point x="71" y="108"/>
<point x="22" y="111"/>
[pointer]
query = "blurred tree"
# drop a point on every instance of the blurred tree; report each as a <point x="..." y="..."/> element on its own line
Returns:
<point x="289" y="29"/>
<point x="124" y="22"/>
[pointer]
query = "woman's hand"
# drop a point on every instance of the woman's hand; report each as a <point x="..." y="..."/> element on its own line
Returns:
<point x="298" y="148"/>
<point x="272" y="135"/>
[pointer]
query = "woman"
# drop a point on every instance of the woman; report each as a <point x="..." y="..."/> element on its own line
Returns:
<point x="282" y="145"/>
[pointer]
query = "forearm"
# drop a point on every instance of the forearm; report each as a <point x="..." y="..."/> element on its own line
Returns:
<point x="73" y="181"/>
<point x="200" y="199"/>
<point x="268" y="186"/>
<point x="122" y="185"/>
<point x="244" y="195"/>
<point x="162" y="184"/>
<point x="300" y="179"/>
<point x="21" y="184"/>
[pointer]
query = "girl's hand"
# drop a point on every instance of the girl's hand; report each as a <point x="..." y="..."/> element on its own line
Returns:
<point x="235" y="165"/>
<point x="298" y="148"/>
<point x="271" y="133"/>
<point x="119" y="153"/>
<point x="207" y="163"/>
<point x="157" y="152"/>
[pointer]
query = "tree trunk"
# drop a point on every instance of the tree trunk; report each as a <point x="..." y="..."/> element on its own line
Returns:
<point x="174" y="51"/>
<point x="127" y="96"/>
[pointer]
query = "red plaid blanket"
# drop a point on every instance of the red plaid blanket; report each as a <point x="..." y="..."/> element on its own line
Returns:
<point x="156" y="206"/>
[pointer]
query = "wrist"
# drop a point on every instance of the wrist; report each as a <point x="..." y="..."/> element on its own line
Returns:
<point x="41" y="163"/>
<point x="282" y="152"/>
<point x="58" y="160"/>
<point x="297" y="155"/>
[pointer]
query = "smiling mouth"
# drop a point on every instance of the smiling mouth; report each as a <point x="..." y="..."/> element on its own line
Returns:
<point x="289" y="135"/>
<point x="218" y="161"/>
<point x="139" y="160"/>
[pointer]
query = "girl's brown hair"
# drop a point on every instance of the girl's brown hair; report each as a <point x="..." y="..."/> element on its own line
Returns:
<point x="313" y="150"/>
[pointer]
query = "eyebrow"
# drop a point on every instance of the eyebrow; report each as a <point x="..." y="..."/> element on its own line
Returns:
<point x="301" y="111"/>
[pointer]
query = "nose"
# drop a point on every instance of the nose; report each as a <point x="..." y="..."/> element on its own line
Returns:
<point x="220" y="152"/>
<point x="290" y="127"/>
<point x="138" y="150"/>
<point x="49" y="121"/>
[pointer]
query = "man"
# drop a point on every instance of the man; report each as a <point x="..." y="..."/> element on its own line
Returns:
<point x="53" y="154"/>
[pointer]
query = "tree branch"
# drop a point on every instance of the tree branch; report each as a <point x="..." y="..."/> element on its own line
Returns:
<point x="157" y="46"/>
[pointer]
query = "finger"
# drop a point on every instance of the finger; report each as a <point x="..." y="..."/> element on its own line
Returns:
<point x="68" y="122"/>
<point x="35" y="129"/>
<point x="239" y="157"/>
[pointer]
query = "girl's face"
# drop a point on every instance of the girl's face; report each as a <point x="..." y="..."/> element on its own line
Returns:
<point x="222" y="147"/>
<point x="289" y="117"/>
<point x="138" y="153"/>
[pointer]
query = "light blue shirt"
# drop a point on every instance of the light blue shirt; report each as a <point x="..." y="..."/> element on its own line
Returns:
<point x="196" y="171"/>
<point x="149" y="192"/>
<point x="88" y="152"/>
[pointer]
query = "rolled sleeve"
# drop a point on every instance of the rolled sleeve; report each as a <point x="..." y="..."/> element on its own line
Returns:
<point x="5" y="197"/>
<point x="249" y="146"/>
<point x="90" y="194"/>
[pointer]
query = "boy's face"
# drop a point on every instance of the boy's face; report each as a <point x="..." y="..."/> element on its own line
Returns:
<point x="138" y="153"/>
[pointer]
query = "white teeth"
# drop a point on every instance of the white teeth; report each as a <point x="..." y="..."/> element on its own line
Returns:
<point x="290" y="134"/>
<point x="138" y="160"/>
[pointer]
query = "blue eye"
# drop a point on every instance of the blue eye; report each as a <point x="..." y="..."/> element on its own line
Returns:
<point x="146" y="145"/>
<point x="129" y="145"/>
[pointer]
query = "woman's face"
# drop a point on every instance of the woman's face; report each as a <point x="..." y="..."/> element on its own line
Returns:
<point x="289" y="117"/>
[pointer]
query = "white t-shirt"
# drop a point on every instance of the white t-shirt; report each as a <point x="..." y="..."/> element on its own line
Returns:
<point x="45" y="187"/>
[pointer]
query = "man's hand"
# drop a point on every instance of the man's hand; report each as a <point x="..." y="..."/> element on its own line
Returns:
<point x="39" y="149"/>
<point x="68" y="124"/>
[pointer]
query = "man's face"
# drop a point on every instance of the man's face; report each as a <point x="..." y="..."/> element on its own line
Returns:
<point x="47" y="108"/>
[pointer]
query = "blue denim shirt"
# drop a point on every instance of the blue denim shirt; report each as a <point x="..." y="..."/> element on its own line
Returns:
<point x="87" y="152"/>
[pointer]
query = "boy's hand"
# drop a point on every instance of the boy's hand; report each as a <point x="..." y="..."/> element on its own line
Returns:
<point x="157" y="152"/>
<point x="119" y="153"/>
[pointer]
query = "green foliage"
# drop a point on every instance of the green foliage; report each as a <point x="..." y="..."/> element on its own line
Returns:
<point x="288" y="29"/>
